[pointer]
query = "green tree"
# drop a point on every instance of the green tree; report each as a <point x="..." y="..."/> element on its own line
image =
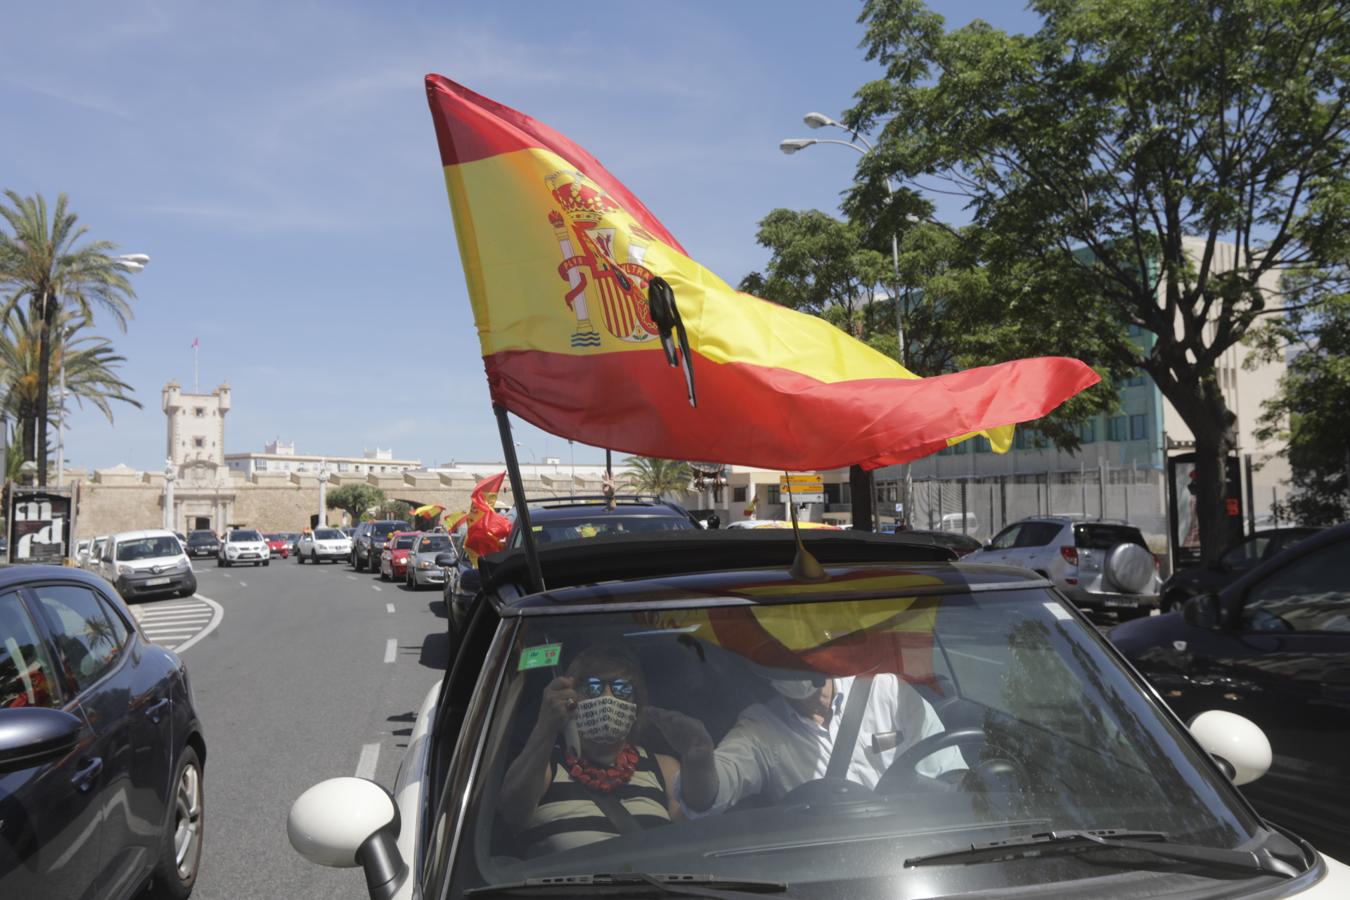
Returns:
<point x="355" y="499"/>
<point x="90" y="369"/>
<point x="394" y="509"/>
<point x="1308" y="411"/>
<point x="43" y="261"/>
<point x="1159" y="162"/>
<point x="661" y="477"/>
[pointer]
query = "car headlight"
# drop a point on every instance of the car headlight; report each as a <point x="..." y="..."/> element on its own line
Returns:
<point x="425" y="564"/>
<point x="124" y="570"/>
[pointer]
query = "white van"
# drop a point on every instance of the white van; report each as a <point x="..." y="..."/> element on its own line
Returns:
<point x="147" y="562"/>
<point x="953" y="522"/>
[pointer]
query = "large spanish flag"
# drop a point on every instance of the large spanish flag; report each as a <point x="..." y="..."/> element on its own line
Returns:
<point x="597" y="326"/>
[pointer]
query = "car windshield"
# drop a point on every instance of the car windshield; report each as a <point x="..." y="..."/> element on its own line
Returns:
<point x="328" y="534"/>
<point x="1104" y="537"/>
<point x="435" y="543"/>
<point x="404" y="542"/>
<point x="237" y="536"/>
<point x="384" y="529"/>
<point x="602" y="524"/>
<point x="1047" y="732"/>
<point x="148" y="548"/>
<point x="201" y="537"/>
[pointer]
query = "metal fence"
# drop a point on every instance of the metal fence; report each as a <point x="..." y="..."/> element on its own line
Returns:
<point x="982" y="505"/>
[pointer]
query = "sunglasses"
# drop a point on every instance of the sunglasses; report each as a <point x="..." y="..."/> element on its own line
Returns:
<point x="621" y="688"/>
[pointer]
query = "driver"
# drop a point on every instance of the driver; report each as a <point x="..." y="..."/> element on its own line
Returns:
<point x="777" y="746"/>
<point x="582" y="776"/>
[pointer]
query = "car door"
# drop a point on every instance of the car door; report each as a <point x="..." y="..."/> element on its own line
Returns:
<point x="50" y="813"/>
<point x="125" y="696"/>
<point x="1000" y="545"/>
<point x="1029" y="550"/>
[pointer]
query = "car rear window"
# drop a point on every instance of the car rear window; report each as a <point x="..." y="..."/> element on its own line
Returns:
<point x="404" y="543"/>
<point x="1104" y="537"/>
<point x="437" y="543"/>
<point x="1037" y="534"/>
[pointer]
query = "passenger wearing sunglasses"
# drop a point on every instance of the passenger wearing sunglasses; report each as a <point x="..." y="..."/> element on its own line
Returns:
<point x="583" y="776"/>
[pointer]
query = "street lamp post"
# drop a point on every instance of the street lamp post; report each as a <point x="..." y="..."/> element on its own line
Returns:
<point x="169" y="475"/>
<point x="323" y="491"/>
<point x="859" y="143"/>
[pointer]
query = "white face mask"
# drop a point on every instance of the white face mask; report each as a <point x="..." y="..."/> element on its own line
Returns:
<point x="795" y="690"/>
<point x="605" y="720"/>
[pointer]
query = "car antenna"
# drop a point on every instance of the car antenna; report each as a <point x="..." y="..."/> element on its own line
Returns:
<point x="805" y="567"/>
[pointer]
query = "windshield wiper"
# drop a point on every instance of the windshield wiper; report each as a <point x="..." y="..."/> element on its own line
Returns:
<point x="711" y="886"/>
<point x="1047" y="843"/>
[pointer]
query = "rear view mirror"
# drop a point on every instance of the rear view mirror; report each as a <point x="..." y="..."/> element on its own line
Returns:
<point x="446" y="560"/>
<point x="348" y="822"/>
<point x="1236" y="743"/>
<point x="1202" y="611"/>
<point x="33" y="735"/>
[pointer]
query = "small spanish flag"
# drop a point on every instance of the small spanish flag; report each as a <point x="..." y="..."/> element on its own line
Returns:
<point x="596" y="325"/>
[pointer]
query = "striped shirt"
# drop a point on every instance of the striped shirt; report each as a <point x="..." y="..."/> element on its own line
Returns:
<point x="567" y="817"/>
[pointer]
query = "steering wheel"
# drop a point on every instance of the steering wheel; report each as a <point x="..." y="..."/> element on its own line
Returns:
<point x="904" y="769"/>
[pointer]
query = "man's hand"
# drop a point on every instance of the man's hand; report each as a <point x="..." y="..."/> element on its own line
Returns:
<point x="558" y="705"/>
<point x="686" y="736"/>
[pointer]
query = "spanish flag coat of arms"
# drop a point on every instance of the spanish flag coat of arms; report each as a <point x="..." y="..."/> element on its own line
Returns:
<point x="596" y="325"/>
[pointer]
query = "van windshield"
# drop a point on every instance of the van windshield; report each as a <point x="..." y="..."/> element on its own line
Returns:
<point x="148" y="548"/>
<point x="1045" y="731"/>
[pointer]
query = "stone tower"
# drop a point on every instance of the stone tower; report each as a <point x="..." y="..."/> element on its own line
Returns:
<point x="195" y="452"/>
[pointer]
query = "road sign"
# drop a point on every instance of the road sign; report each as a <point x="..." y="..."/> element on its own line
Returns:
<point x="803" y="488"/>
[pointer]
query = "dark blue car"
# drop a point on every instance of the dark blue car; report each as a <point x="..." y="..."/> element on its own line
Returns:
<point x="101" y="751"/>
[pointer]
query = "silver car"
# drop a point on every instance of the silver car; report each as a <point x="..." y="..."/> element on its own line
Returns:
<point x="1103" y="566"/>
<point x="422" y="568"/>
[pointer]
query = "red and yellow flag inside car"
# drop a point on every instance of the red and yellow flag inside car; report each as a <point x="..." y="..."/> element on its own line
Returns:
<point x="597" y="326"/>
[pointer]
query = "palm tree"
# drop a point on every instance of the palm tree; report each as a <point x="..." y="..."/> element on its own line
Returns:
<point x="89" y="361"/>
<point x="651" y="475"/>
<point x="44" y="261"/>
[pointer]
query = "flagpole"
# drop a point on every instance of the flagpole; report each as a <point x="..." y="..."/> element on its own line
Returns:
<point x="518" y="494"/>
<point x="196" y="389"/>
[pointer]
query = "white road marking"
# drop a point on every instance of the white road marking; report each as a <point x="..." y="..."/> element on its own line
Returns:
<point x="365" y="766"/>
<point x="376" y="587"/>
<point x="168" y="607"/>
<point x="352" y="577"/>
<point x="390" y="650"/>
<point x="389" y="607"/>
<point x="176" y="617"/>
<point x="243" y="584"/>
<point x="215" y="623"/>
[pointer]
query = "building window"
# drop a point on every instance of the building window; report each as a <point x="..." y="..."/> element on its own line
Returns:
<point x="1115" y="428"/>
<point x="1136" y="380"/>
<point x="961" y="448"/>
<point x="200" y="411"/>
<point x="1138" y="428"/>
<point x="738" y="495"/>
<point x="1087" y="432"/>
<point x="199" y="442"/>
<point x="981" y="444"/>
<point x="774" y="497"/>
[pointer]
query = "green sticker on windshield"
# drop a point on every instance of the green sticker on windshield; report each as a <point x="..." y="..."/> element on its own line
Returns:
<point x="539" y="657"/>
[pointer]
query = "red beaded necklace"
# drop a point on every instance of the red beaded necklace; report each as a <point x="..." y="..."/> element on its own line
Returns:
<point x="604" y="778"/>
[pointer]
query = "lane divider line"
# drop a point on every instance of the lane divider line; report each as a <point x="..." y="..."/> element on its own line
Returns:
<point x="352" y="577"/>
<point x="212" y="626"/>
<point x="389" y="607"/>
<point x="243" y="584"/>
<point x="365" y="765"/>
<point x="390" y="650"/>
<point x="376" y="587"/>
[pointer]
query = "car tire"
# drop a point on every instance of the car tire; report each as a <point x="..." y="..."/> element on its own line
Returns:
<point x="220" y="563"/>
<point x="383" y="577"/>
<point x="187" y="591"/>
<point x="359" y="565"/>
<point x="267" y="562"/>
<point x="180" y="854"/>
<point x="1129" y="568"/>
<point x="300" y="558"/>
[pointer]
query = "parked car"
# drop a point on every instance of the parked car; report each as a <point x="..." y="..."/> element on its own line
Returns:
<point x="1273" y="646"/>
<point x="243" y="545"/>
<point x="960" y="523"/>
<point x="1062" y="772"/>
<point x="1231" y="565"/>
<point x="394" y="556"/>
<point x="202" y="543"/>
<point x="322" y="545"/>
<point x="141" y="563"/>
<point x="422" y="568"/>
<point x="95" y="558"/>
<point x="1101" y="566"/>
<point x="81" y="557"/>
<point x="101" y="749"/>
<point x="368" y="542"/>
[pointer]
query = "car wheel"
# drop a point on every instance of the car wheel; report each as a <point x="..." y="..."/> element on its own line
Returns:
<point x="360" y="564"/>
<point x="383" y="577"/>
<point x="181" y="852"/>
<point x="300" y="558"/>
<point x="187" y="591"/>
<point x="219" y="562"/>
<point x="267" y="562"/>
<point x="314" y="557"/>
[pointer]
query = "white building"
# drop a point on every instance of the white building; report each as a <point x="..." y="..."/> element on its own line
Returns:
<point x="280" y="458"/>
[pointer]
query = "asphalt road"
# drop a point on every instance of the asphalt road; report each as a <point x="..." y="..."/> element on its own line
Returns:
<point x="307" y="675"/>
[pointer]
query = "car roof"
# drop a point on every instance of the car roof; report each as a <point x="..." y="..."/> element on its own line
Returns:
<point x="14" y="576"/>
<point x="640" y="565"/>
<point x="1310" y="544"/>
<point x="143" y="533"/>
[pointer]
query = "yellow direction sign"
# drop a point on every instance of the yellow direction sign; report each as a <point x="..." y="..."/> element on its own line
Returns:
<point x="803" y="488"/>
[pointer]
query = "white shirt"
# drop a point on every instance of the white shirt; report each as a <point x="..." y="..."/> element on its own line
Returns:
<point x="772" y="748"/>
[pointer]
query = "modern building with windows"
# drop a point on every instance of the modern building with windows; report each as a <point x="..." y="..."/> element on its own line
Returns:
<point x="279" y="458"/>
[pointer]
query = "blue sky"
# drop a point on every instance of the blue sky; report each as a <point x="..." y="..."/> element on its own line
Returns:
<point x="276" y="161"/>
